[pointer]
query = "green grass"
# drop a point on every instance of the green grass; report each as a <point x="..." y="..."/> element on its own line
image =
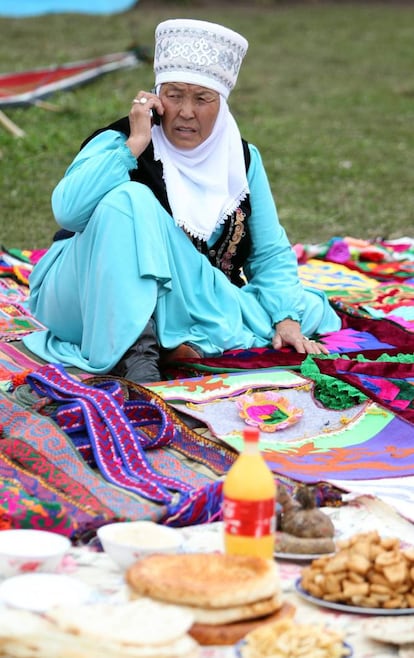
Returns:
<point x="326" y="92"/>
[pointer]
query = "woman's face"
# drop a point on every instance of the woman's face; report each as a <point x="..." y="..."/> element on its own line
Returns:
<point x="190" y="113"/>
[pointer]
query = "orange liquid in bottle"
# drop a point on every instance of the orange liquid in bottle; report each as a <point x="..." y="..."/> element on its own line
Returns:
<point x="249" y="503"/>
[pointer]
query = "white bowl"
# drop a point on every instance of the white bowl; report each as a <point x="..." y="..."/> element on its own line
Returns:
<point x="25" y="551"/>
<point x="130" y="541"/>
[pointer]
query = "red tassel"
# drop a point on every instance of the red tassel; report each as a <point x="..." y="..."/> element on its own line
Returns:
<point x="19" y="378"/>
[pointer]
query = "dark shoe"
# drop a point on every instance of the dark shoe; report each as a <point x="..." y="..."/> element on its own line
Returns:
<point x="140" y="364"/>
<point x="183" y="352"/>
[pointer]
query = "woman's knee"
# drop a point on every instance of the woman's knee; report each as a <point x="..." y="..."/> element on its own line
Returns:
<point x="130" y="194"/>
<point x="121" y="210"/>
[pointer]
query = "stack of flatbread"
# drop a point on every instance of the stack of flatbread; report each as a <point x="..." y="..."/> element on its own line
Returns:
<point x="228" y="595"/>
<point x="137" y="629"/>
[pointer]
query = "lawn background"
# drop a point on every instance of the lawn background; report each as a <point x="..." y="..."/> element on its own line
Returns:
<point x="326" y="92"/>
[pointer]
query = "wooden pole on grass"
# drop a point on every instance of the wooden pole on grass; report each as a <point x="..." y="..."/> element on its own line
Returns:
<point x="11" y="126"/>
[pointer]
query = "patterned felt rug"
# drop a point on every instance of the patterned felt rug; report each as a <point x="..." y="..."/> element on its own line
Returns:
<point x="363" y="448"/>
<point x="357" y="442"/>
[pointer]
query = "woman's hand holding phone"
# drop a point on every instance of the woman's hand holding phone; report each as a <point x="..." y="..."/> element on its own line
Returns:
<point x="146" y="110"/>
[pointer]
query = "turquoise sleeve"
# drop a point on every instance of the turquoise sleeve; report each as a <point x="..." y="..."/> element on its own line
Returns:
<point x="102" y="165"/>
<point x="271" y="269"/>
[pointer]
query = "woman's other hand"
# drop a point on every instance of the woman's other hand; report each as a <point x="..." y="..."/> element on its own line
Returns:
<point x="141" y="120"/>
<point x="288" y="334"/>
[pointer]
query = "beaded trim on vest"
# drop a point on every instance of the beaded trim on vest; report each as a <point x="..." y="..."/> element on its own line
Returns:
<point x="230" y="251"/>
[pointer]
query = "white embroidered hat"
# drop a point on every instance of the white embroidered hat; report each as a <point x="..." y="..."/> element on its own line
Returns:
<point x="198" y="52"/>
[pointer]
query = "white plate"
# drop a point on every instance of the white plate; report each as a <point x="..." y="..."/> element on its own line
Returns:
<point x="40" y="591"/>
<point x="239" y="645"/>
<point x="300" y="557"/>
<point x="343" y="607"/>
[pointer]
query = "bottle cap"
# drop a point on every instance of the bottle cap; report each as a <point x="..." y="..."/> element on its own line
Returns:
<point x="251" y="435"/>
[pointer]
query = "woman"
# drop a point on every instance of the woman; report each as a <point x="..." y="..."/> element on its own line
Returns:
<point x="175" y="243"/>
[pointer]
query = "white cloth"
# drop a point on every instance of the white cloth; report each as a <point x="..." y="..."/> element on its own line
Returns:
<point x="204" y="184"/>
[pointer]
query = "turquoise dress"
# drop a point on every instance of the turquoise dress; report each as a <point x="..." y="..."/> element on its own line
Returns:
<point x="128" y="261"/>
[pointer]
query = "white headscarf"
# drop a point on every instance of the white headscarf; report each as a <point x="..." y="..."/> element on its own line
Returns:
<point x="204" y="184"/>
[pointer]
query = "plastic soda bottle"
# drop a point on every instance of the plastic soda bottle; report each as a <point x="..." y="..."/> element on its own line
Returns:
<point x="249" y="502"/>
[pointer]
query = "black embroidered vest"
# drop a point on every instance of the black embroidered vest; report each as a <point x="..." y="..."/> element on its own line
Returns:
<point x="231" y="250"/>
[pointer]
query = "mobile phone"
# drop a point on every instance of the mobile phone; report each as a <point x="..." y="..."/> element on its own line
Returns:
<point x="156" y="119"/>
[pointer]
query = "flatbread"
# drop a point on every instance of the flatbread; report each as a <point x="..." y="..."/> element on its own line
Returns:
<point x="21" y="622"/>
<point x="216" y="616"/>
<point x="59" y="644"/>
<point x="208" y="580"/>
<point x="227" y="634"/>
<point x="391" y="630"/>
<point x="25" y="634"/>
<point x="140" y="622"/>
<point x="234" y="613"/>
<point x="406" y="651"/>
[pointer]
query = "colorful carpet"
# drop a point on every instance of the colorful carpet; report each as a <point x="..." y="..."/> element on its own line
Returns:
<point x="15" y="320"/>
<point x="35" y="453"/>
<point x="367" y="279"/>
<point x="356" y="430"/>
<point x="48" y="482"/>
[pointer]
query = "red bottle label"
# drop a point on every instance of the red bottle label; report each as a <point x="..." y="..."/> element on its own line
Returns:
<point x="249" y="518"/>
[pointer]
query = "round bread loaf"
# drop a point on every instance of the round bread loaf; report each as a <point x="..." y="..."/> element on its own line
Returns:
<point x="208" y="580"/>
